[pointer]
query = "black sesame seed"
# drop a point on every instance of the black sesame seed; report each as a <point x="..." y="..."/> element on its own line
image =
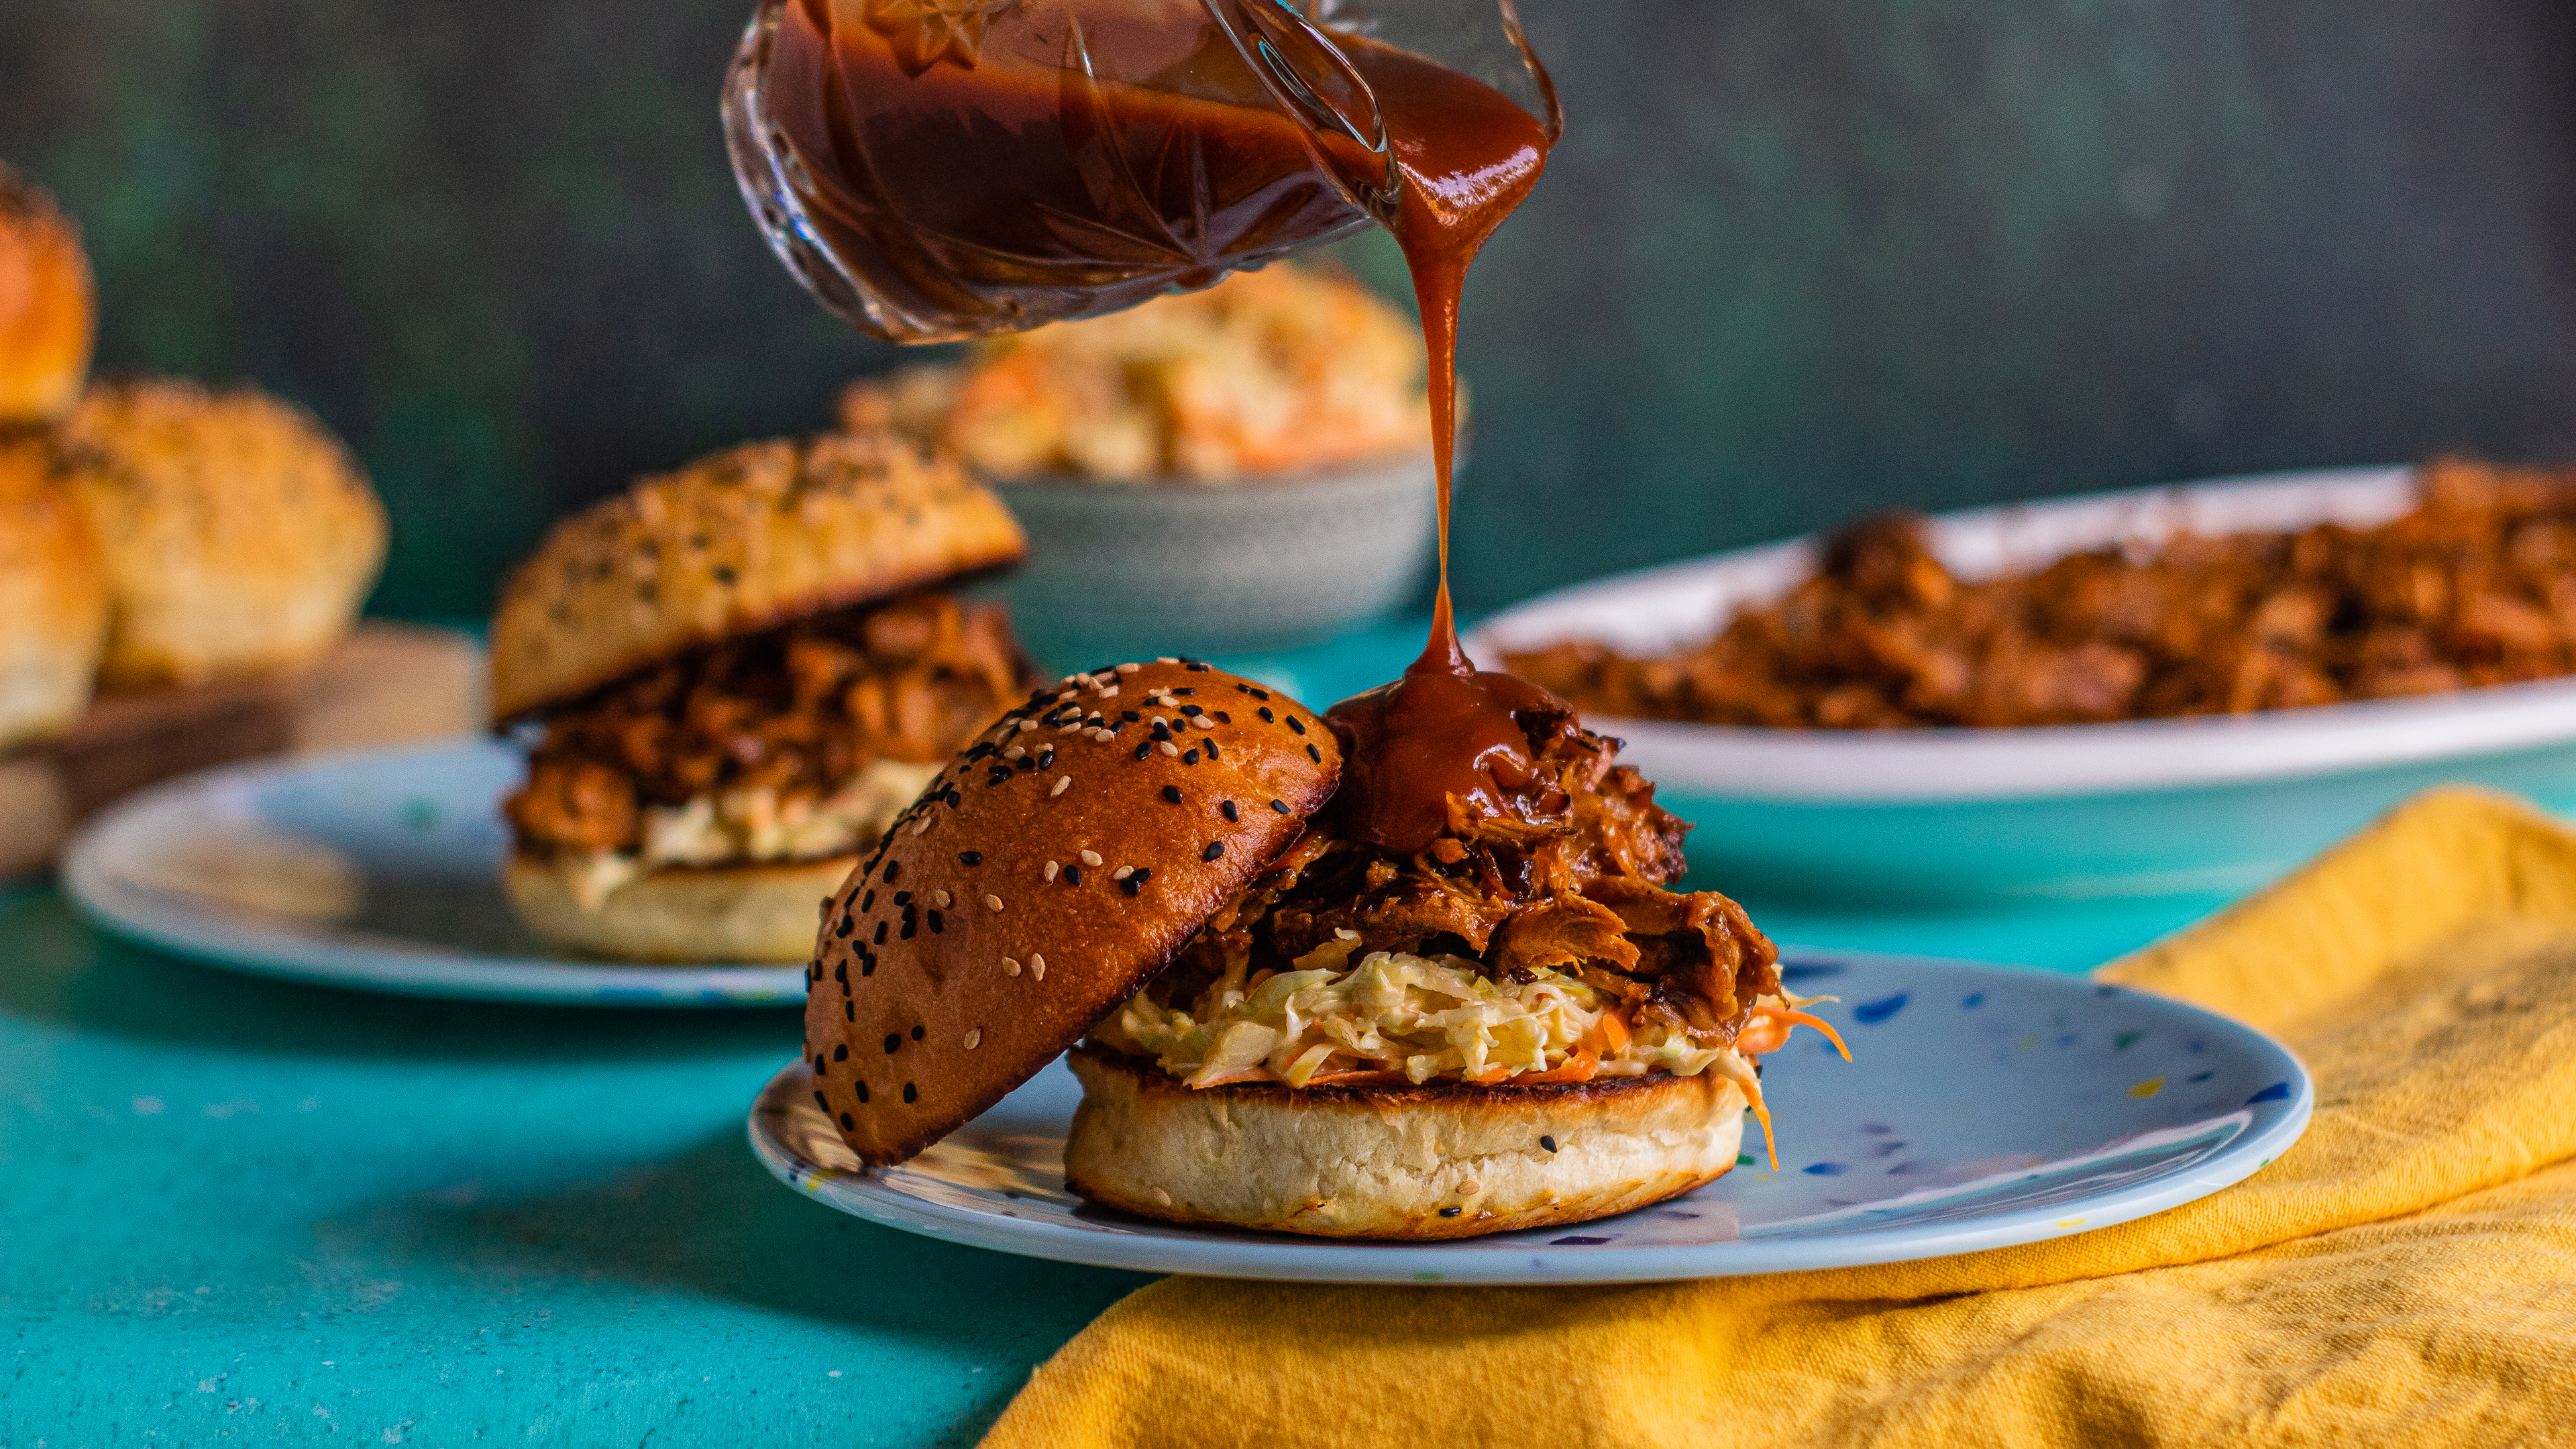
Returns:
<point x="841" y="973"/>
<point x="1195" y="667"/>
<point x="1296" y="726"/>
<point x="867" y="965"/>
<point x="1046" y="757"/>
<point x="1267" y="716"/>
<point x="841" y="1053"/>
<point x="910" y="1094"/>
<point x="1215" y="848"/>
<point x="903" y="898"/>
<point x="1314" y="754"/>
<point x="951" y="799"/>
<point x="863" y="1094"/>
<point x="1548" y="1142"/>
<point x="893" y="1043"/>
<point x="846" y="1123"/>
<point x="1450" y="1212"/>
<point x="820" y="1069"/>
<point x="1162" y="731"/>
<point x="1190" y="756"/>
<point x="906" y="933"/>
<point x="892" y="866"/>
<point x="849" y="1009"/>
<point x="1130" y="885"/>
<point x="1184" y="689"/>
<point x="980" y="751"/>
<point x="1172" y="793"/>
<point x="1144" y="749"/>
<point x="1228" y="811"/>
<point x="842" y="931"/>
<point x="1001" y="775"/>
<point x="880" y="936"/>
<point x="916" y="1033"/>
<point x="1279" y="805"/>
<point x="1210" y="747"/>
<point x="1221" y="717"/>
<point x="868" y="902"/>
<point x="1142" y="873"/>
<point x="1073" y="875"/>
<point x="725" y="575"/>
<point x="1129" y="715"/>
<point x="819" y="1102"/>
<point x="970" y="857"/>
<point x="1191" y="711"/>
<point x="936" y="927"/>
<point x="1027" y="764"/>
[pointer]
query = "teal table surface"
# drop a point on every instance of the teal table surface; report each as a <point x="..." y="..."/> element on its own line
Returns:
<point x="241" y="1211"/>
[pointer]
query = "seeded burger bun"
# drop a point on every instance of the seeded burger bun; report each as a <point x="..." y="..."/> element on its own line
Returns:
<point x="53" y="598"/>
<point x="1027" y="894"/>
<point x="48" y="313"/>
<point x="240" y="535"/>
<point x="753" y="537"/>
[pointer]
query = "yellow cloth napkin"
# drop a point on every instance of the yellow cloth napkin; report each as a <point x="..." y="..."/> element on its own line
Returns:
<point x="2407" y="1273"/>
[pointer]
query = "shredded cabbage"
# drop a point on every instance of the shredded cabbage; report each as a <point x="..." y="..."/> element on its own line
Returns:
<point x="1394" y="1012"/>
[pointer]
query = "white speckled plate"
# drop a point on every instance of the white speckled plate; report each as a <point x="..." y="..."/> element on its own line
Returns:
<point x="1987" y="1106"/>
<point x="378" y="870"/>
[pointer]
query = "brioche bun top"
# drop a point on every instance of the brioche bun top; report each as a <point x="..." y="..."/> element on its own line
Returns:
<point x="735" y="542"/>
<point x="1024" y="895"/>
<point x="48" y="309"/>
<point x="240" y="535"/>
<point x="53" y="597"/>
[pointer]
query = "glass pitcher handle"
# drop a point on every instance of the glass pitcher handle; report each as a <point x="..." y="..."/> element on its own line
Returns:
<point x="1310" y="78"/>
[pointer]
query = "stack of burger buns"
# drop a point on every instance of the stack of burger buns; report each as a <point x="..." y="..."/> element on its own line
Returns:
<point x="156" y="535"/>
<point x="737" y="673"/>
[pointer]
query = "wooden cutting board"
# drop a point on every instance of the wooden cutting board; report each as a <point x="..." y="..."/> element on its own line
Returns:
<point x="385" y="684"/>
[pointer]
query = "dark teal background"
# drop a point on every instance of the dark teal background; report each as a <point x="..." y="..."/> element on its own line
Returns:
<point x="1792" y="260"/>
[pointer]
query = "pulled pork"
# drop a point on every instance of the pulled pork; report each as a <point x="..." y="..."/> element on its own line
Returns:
<point x="2476" y="586"/>
<point x="1570" y="883"/>
<point x="790" y="717"/>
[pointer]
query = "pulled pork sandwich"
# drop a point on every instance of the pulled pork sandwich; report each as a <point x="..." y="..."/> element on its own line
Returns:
<point x="741" y="671"/>
<point x="1278" y="1023"/>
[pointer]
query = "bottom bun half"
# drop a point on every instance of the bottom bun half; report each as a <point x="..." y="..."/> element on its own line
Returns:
<point x="747" y="913"/>
<point x="1442" y="1160"/>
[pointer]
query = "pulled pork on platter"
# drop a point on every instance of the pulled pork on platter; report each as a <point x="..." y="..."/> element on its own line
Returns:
<point x="798" y="743"/>
<point x="2476" y="586"/>
<point x="1539" y="945"/>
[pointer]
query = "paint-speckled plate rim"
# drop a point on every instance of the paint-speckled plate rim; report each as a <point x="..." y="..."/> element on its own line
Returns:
<point x="100" y="874"/>
<point x="987" y="1185"/>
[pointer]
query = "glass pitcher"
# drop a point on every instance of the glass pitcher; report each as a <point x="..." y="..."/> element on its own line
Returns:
<point x="941" y="169"/>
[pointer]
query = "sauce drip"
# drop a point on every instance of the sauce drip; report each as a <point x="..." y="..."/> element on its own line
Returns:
<point x="1445" y="737"/>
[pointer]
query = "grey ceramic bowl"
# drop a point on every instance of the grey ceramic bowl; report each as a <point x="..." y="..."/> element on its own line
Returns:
<point x="1124" y="570"/>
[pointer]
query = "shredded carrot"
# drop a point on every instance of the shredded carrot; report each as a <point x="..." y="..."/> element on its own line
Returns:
<point x="1580" y="1067"/>
<point x="1782" y="1013"/>
<point x="1353" y="1079"/>
<point x="1608" y="1034"/>
<point x="1762" y="1114"/>
<point x="1761" y="1036"/>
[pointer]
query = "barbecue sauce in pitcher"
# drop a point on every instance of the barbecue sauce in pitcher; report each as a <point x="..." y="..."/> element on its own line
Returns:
<point x="991" y="164"/>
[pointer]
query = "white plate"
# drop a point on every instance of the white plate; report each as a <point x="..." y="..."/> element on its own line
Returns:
<point x="1986" y="1107"/>
<point x="378" y="870"/>
<point x="1660" y="609"/>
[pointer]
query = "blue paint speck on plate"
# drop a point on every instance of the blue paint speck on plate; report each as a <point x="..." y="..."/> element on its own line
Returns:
<point x="1972" y="1001"/>
<point x="2068" y="1039"/>
<point x="1577" y="1241"/>
<point x="1825" y="1169"/>
<point x="2202" y="1076"/>
<point x="1871" y="1013"/>
<point x="2106" y="990"/>
<point x="2277" y="1092"/>
<point x="1808" y="971"/>
<point x="2126" y="1040"/>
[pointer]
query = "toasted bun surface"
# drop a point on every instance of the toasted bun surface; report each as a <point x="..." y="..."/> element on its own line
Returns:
<point x="240" y="535"/>
<point x="53" y="598"/>
<point x="1442" y="1160"/>
<point x="954" y="964"/>
<point x="735" y="542"/>
<point x="48" y="311"/>
<point x="723" y="913"/>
